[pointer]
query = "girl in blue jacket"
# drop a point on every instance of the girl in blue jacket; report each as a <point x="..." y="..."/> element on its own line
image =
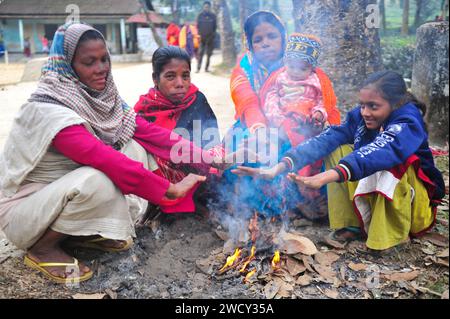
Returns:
<point x="381" y="180"/>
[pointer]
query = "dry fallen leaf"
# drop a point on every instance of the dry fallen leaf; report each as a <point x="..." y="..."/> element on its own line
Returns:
<point x="271" y="289"/>
<point x="326" y="272"/>
<point x="333" y="243"/>
<point x="442" y="262"/>
<point x="333" y="294"/>
<point x="445" y="295"/>
<point x="357" y="267"/>
<point x="402" y="276"/>
<point x="293" y="244"/>
<point x="89" y="296"/>
<point x="428" y="251"/>
<point x="443" y="254"/>
<point x="304" y="280"/>
<point x="294" y="266"/>
<point x="285" y="290"/>
<point x="308" y="261"/>
<point x="436" y="239"/>
<point x="222" y="234"/>
<point x="326" y="258"/>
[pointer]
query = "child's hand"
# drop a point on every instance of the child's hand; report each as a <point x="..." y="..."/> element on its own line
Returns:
<point x="316" y="181"/>
<point x="267" y="174"/>
<point x="318" y="117"/>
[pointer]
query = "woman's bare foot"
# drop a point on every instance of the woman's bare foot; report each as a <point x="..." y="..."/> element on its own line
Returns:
<point x="182" y="188"/>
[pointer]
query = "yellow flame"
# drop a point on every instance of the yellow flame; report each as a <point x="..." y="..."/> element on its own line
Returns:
<point x="249" y="275"/>
<point x="249" y="259"/>
<point x="276" y="259"/>
<point x="232" y="259"/>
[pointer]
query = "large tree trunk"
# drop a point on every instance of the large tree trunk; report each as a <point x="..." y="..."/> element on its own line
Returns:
<point x="226" y="32"/>
<point x="351" y="43"/>
<point x="417" y="16"/>
<point x="405" y="20"/>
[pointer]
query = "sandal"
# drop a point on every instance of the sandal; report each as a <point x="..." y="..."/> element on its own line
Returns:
<point x="60" y="280"/>
<point x="96" y="243"/>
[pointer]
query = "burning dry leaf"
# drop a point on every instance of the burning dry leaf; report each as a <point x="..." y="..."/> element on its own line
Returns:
<point x="304" y="280"/>
<point x="402" y="276"/>
<point x="326" y="258"/>
<point x="445" y="295"/>
<point x="436" y="239"/>
<point x="293" y="244"/>
<point x="357" y="267"/>
<point x="443" y="254"/>
<point x="294" y="266"/>
<point x="89" y="296"/>
<point x="333" y="294"/>
<point x="271" y="289"/>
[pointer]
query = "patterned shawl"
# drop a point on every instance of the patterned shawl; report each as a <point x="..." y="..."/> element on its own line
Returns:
<point x="112" y="120"/>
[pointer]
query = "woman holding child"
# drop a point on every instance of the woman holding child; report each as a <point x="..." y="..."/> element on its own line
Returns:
<point x="277" y="85"/>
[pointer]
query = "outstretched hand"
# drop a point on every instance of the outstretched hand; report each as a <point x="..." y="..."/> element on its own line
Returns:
<point x="316" y="181"/>
<point x="239" y="157"/>
<point x="267" y="174"/>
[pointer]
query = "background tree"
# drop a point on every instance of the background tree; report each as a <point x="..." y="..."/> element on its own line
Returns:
<point x="351" y="43"/>
<point x="227" y="37"/>
<point x="382" y="6"/>
<point x="417" y="16"/>
<point x="405" y="19"/>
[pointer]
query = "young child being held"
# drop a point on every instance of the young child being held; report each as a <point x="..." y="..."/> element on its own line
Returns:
<point x="295" y="102"/>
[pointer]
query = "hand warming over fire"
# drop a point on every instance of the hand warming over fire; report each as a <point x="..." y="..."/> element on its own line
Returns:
<point x="182" y="188"/>
<point x="316" y="181"/>
<point x="241" y="156"/>
<point x="267" y="174"/>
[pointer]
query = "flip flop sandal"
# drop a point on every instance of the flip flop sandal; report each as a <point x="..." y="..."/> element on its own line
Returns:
<point x="96" y="244"/>
<point x="60" y="280"/>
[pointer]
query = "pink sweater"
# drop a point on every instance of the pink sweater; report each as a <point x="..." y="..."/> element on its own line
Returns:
<point x="78" y="144"/>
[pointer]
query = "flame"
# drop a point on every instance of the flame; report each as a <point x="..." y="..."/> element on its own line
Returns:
<point x="276" y="259"/>
<point x="253" y="227"/>
<point x="232" y="259"/>
<point x="250" y="274"/>
<point x="249" y="259"/>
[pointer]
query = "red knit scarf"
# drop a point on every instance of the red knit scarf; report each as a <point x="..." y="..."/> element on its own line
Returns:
<point x="154" y="106"/>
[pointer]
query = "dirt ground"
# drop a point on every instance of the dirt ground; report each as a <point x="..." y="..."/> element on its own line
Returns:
<point x="178" y="256"/>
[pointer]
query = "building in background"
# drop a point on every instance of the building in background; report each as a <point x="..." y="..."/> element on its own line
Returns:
<point x="21" y="19"/>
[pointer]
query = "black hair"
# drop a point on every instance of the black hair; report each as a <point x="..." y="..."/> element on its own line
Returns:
<point x="259" y="17"/>
<point x="162" y="57"/>
<point x="91" y="35"/>
<point x="206" y="3"/>
<point x="392" y="88"/>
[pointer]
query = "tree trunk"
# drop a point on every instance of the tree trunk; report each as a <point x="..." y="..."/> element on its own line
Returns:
<point x="417" y="17"/>
<point x="351" y="44"/>
<point x="405" y="20"/>
<point x="383" y="14"/>
<point x="226" y="32"/>
<point x="175" y="8"/>
<point x="276" y="7"/>
<point x="156" y="36"/>
<point x="444" y="10"/>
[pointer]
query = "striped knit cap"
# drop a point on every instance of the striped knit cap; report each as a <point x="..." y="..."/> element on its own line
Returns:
<point x="304" y="47"/>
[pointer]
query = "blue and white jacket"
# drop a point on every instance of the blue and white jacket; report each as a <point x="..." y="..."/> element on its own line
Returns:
<point x="404" y="134"/>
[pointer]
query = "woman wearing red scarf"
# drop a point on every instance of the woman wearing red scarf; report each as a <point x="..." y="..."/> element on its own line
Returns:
<point x="177" y="104"/>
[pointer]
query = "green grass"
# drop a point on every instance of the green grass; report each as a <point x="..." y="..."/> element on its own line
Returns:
<point x="398" y="41"/>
